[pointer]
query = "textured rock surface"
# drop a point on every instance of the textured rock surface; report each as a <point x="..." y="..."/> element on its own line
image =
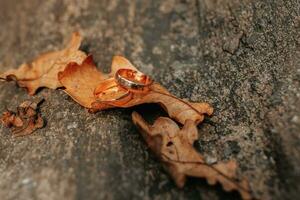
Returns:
<point x="241" y="56"/>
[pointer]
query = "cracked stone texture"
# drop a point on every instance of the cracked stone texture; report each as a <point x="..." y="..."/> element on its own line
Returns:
<point x="241" y="56"/>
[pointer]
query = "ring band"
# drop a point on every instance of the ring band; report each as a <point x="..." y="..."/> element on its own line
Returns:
<point x="104" y="85"/>
<point x="133" y="80"/>
<point x="110" y="99"/>
<point x="109" y="91"/>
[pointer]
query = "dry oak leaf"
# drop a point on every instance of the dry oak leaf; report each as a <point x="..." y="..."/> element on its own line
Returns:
<point x="174" y="147"/>
<point x="25" y="121"/>
<point x="43" y="70"/>
<point x="80" y="80"/>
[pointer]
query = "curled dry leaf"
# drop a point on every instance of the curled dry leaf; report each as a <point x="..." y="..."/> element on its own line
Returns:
<point x="174" y="147"/>
<point x="24" y="121"/>
<point x="42" y="71"/>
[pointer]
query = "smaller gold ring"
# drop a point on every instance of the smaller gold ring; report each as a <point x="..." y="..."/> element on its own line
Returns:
<point x="119" y="101"/>
<point x="112" y="96"/>
<point x="109" y="91"/>
<point x="104" y="85"/>
<point x="124" y="98"/>
<point x="133" y="80"/>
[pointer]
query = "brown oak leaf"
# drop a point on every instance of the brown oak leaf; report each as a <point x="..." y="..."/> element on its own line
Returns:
<point x="174" y="147"/>
<point x="43" y="70"/>
<point x="24" y="121"/>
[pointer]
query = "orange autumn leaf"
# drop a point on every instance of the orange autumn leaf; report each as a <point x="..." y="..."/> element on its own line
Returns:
<point x="43" y="70"/>
<point x="174" y="147"/>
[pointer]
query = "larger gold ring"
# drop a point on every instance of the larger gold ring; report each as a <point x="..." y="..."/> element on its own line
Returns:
<point x="133" y="80"/>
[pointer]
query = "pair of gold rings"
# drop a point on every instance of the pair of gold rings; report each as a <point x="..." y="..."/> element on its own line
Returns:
<point x="119" y="89"/>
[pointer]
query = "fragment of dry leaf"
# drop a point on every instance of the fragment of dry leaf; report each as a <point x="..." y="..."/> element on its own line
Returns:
<point x="24" y="121"/>
<point x="81" y="80"/>
<point x="174" y="147"/>
<point x="43" y="70"/>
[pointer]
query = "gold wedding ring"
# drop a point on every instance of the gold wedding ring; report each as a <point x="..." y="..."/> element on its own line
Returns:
<point x="109" y="91"/>
<point x="133" y="80"/>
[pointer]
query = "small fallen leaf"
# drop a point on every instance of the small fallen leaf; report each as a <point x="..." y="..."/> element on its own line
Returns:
<point x="25" y="121"/>
<point x="42" y="71"/>
<point x="174" y="147"/>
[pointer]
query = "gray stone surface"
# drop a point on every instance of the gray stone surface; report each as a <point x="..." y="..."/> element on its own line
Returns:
<point x="240" y="56"/>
